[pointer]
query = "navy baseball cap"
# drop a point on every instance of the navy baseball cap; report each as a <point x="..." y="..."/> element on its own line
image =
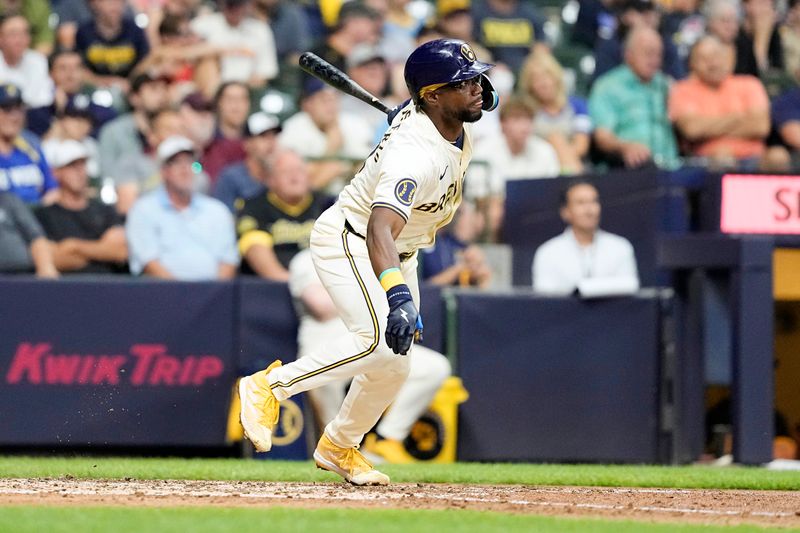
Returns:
<point x="311" y="86"/>
<point x="10" y="95"/>
<point x="78" y="107"/>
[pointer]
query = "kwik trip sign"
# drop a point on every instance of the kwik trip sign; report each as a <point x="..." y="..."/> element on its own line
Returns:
<point x="143" y="365"/>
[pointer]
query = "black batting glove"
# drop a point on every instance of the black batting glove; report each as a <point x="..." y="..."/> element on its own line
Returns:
<point x="401" y="327"/>
<point x="401" y="324"/>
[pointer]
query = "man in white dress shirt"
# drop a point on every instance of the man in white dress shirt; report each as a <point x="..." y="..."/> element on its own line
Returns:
<point x="584" y="257"/>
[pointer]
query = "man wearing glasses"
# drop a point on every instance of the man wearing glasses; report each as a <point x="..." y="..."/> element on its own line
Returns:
<point x="364" y="249"/>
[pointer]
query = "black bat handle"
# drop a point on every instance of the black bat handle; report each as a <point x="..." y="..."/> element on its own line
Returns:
<point x="321" y="69"/>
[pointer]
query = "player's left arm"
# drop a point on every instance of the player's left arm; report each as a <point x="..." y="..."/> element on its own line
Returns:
<point x="383" y="228"/>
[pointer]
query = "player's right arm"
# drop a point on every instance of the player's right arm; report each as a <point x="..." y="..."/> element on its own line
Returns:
<point x="383" y="228"/>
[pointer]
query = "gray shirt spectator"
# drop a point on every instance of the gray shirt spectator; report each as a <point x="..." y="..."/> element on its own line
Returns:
<point x="23" y="247"/>
<point x="125" y="135"/>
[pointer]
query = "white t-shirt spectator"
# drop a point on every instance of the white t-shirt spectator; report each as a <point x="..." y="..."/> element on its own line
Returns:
<point x="606" y="267"/>
<point x="301" y="135"/>
<point x="250" y="33"/>
<point x="493" y="165"/>
<point x="32" y="76"/>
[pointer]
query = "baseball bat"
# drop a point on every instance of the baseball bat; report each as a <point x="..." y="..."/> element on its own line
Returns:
<point x="319" y="68"/>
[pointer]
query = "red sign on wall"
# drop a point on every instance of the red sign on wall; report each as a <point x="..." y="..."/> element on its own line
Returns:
<point x="760" y="204"/>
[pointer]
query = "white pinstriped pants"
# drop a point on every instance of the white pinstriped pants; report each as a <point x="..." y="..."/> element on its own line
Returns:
<point x="343" y="266"/>
<point x="428" y="370"/>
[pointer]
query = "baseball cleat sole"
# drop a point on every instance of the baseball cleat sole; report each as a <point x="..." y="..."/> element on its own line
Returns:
<point x="259" y="435"/>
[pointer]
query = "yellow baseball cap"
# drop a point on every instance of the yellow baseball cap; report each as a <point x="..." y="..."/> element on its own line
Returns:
<point x="446" y="7"/>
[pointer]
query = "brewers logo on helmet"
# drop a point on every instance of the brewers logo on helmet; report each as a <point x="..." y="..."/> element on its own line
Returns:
<point x="443" y="61"/>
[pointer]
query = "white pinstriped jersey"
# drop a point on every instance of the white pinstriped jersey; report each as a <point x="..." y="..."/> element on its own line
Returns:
<point x="413" y="171"/>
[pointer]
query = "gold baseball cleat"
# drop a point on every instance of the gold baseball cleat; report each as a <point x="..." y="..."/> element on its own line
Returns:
<point x="348" y="463"/>
<point x="260" y="408"/>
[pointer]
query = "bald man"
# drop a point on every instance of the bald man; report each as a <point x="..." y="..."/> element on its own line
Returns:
<point x="628" y="106"/>
<point x="722" y="117"/>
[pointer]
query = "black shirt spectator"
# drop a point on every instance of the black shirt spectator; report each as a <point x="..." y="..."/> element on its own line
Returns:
<point x="115" y="56"/>
<point x="88" y="236"/>
<point x="287" y="227"/>
<point x="759" y="27"/>
<point x="746" y="62"/>
<point x="508" y="29"/>
<point x="88" y="224"/>
<point x="273" y="227"/>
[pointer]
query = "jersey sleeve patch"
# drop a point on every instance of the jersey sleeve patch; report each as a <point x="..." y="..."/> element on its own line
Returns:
<point x="404" y="191"/>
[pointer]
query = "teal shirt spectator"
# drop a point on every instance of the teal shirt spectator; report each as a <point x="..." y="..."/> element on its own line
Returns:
<point x="190" y="243"/>
<point x="635" y="111"/>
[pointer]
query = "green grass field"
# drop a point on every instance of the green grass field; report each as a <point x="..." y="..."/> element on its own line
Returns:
<point x="495" y="473"/>
<point x="198" y="519"/>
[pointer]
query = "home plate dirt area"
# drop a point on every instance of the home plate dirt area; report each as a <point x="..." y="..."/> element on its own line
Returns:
<point x="768" y="508"/>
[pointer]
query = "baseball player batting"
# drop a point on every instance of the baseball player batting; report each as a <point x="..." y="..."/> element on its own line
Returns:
<point x="364" y="250"/>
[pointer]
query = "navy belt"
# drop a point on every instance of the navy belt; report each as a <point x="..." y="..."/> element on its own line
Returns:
<point x="349" y="228"/>
<point x="405" y="256"/>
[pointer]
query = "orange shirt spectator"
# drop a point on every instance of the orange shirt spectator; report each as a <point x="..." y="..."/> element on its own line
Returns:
<point x="718" y="114"/>
<point x="737" y="94"/>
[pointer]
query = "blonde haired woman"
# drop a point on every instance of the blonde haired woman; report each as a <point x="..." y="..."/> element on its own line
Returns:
<point x="560" y="119"/>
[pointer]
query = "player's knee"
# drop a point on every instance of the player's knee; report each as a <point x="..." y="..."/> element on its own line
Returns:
<point x="366" y="339"/>
<point x="440" y="368"/>
<point x="385" y="353"/>
<point x="400" y="365"/>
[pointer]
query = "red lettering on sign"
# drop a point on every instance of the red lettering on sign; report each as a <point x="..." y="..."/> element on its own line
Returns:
<point x="26" y="363"/>
<point x="209" y="366"/>
<point x="108" y="369"/>
<point x="85" y="375"/>
<point x="188" y="369"/>
<point x="165" y="370"/>
<point x="144" y="353"/>
<point x="152" y="365"/>
<point x="61" y="369"/>
<point x="760" y="204"/>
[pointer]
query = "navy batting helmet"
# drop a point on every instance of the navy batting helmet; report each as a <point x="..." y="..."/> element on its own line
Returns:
<point x="442" y="61"/>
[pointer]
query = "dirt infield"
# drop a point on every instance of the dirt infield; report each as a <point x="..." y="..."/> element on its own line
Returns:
<point x="769" y="508"/>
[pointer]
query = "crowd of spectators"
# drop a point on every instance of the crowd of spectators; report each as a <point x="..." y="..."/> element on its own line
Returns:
<point x="178" y="139"/>
<point x="168" y="117"/>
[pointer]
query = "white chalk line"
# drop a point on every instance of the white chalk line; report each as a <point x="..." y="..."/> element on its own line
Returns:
<point x="313" y="492"/>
